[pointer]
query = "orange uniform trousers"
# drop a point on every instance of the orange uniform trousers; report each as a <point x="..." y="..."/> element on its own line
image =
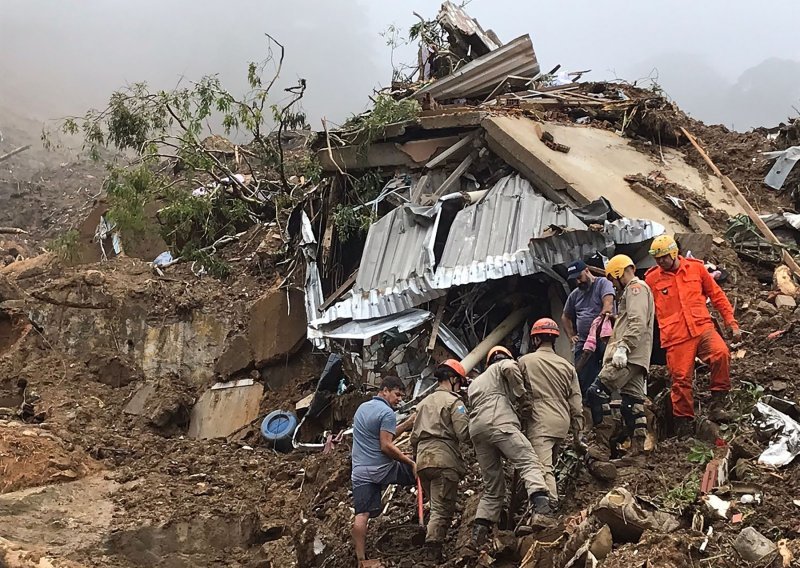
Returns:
<point x="710" y="348"/>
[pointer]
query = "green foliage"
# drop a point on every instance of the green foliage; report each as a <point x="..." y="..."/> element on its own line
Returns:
<point x="191" y="223"/>
<point x="700" y="454"/>
<point x="351" y="222"/>
<point x="129" y="190"/>
<point x="215" y="266"/>
<point x="386" y="111"/>
<point x="66" y="246"/>
<point x="305" y="164"/>
<point x="369" y="185"/>
<point x="683" y="495"/>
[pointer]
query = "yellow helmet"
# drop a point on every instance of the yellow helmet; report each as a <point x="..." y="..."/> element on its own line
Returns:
<point x="617" y="265"/>
<point x="663" y="246"/>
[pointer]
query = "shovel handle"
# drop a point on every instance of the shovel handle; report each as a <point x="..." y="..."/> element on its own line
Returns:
<point x="419" y="503"/>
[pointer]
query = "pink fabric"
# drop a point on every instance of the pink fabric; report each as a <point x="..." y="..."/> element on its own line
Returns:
<point x="605" y="331"/>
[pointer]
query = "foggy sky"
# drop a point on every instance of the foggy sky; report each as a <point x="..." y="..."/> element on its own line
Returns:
<point x="729" y="61"/>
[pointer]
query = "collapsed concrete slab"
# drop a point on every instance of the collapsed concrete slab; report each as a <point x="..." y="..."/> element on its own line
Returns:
<point x="277" y="325"/>
<point x="596" y="166"/>
<point x="225" y="408"/>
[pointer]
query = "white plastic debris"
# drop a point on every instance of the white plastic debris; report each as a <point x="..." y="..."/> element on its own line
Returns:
<point x="163" y="259"/>
<point x="785" y="162"/>
<point x="785" y="444"/>
<point x="717" y="506"/>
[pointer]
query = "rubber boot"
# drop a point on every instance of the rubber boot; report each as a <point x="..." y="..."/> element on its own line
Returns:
<point x="433" y="550"/>
<point x="683" y="426"/>
<point x="598" y="453"/>
<point x="541" y="514"/>
<point x="480" y="535"/>
<point x="716" y="410"/>
<point x="636" y="454"/>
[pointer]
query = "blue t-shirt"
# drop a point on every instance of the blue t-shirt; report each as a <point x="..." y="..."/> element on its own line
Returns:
<point x="371" y="418"/>
<point x="585" y="305"/>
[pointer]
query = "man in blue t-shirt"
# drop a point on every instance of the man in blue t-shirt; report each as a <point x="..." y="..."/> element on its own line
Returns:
<point x="377" y="462"/>
<point x="591" y="297"/>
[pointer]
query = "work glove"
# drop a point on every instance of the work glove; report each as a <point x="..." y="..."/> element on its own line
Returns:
<point x="578" y="445"/>
<point x="736" y="333"/>
<point x="620" y="358"/>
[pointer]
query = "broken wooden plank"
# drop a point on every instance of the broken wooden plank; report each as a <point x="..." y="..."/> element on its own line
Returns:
<point x="339" y="291"/>
<point x="463" y="143"/>
<point x="14" y="152"/>
<point x="437" y="322"/>
<point x="742" y="201"/>
<point x="454" y="177"/>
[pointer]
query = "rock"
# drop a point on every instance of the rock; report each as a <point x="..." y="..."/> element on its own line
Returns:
<point x="112" y="369"/>
<point x="752" y="546"/>
<point x="628" y="518"/>
<point x="221" y="412"/>
<point x="94" y="278"/>
<point x="66" y="475"/>
<point x="601" y="543"/>
<point x="277" y="325"/>
<point x="783" y="301"/>
<point x="766" y="308"/>
<point x="778" y="386"/>
<point x="237" y="356"/>
<point x="8" y="290"/>
<point x="783" y="280"/>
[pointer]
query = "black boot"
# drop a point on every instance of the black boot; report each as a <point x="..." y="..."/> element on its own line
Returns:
<point x="433" y="550"/>
<point x="716" y="410"/>
<point x="541" y="513"/>
<point x="480" y="534"/>
<point x="683" y="426"/>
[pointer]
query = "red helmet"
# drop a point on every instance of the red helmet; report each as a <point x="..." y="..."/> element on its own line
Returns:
<point x="498" y="349"/>
<point x="456" y="366"/>
<point x="545" y="326"/>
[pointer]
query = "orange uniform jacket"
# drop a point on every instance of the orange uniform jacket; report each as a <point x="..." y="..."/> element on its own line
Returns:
<point x="680" y="300"/>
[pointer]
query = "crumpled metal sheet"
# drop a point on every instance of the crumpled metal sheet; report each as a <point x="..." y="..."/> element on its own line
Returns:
<point x="481" y="75"/>
<point x="452" y="341"/>
<point x="784" y="164"/>
<point x="452" y="16"/>
<point x="567" y="246"/>
<point x="396" y="270"/>
<point x="785" y="444"/>
<point x="490" y="240"/>
<point x="631" y="231"/>
<point x="313" y="283"/>
<point x="404" y="321"/>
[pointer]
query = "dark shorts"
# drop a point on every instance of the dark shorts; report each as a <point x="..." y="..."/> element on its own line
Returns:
<point x="367" y="495"/>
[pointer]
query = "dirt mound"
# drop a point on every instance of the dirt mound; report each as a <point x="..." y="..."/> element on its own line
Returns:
<point x="31" y="456"/>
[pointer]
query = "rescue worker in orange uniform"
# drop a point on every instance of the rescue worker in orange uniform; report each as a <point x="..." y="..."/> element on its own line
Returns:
<point x="681" y="287"/>
<point x="442" y="423"/>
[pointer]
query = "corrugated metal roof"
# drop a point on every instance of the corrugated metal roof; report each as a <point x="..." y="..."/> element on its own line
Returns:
<point x="454" y="16"/>
<point x="396" y="270"/>
<point x="480" y="76"/>
<point x="490" y="240"/>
